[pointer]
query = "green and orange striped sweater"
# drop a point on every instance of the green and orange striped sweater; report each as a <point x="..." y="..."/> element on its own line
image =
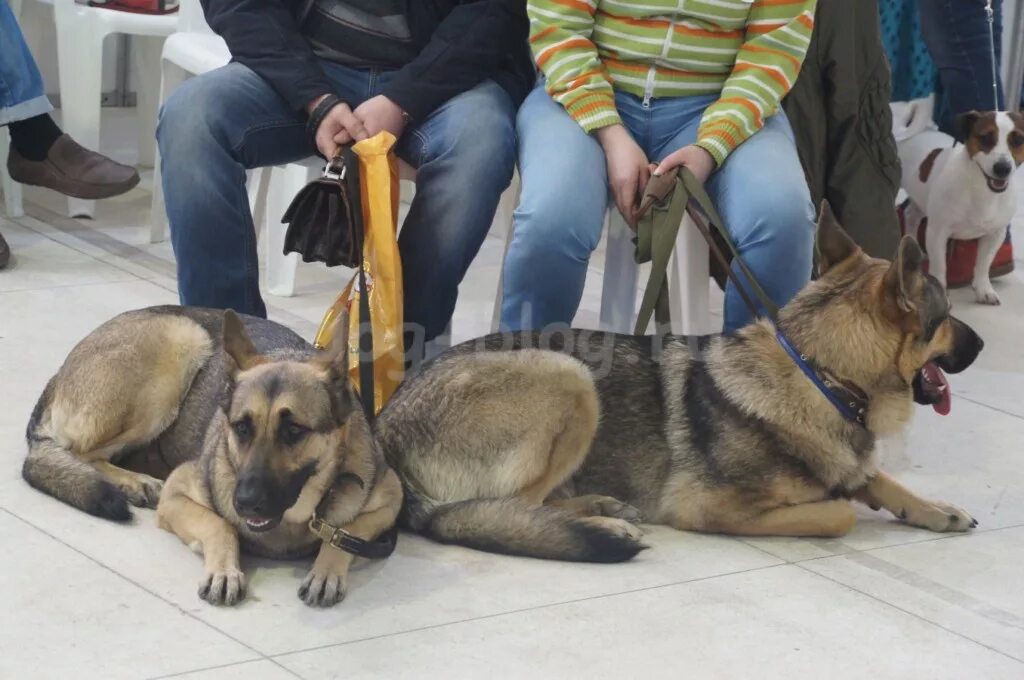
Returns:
<point x="748" y="52"/>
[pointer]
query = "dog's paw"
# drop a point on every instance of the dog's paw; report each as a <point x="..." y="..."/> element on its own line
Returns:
<point x="323" y="589"/>
<point x="142" y="491"/>
<point x="939" y="516"/>
<point x="620" y="527"/>
<point x="985" y="294"/>
<point x="606" y="506"/>
<point x="223" y="587"/>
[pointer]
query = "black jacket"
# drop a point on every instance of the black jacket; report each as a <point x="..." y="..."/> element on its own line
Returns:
<point x="461" y="43"/>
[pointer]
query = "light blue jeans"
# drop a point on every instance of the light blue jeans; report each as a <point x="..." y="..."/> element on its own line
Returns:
<point x="21" y="87"/>
<point x="760" y="192"/>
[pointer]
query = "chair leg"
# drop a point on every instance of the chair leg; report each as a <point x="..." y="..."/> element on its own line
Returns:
<point x="618" y="291"/>
<point x="691" y="314"/>
<point x="13" y="205"/>
<point x="80" y="65"/>
<point x="280" y="267"/>
<point x="504" y="220"/>
<point x="146" y="52"/>
<point x="171" y="77"/>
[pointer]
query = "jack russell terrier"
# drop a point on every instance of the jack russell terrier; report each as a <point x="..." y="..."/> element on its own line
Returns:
<point x="967" y="189"/>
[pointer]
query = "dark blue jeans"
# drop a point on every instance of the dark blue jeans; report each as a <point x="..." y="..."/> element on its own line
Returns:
<point x="218" y="125"/>
<point x="957" y="35"/>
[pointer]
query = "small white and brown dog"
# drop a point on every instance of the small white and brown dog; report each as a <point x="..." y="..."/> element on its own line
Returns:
<point x="967" y="188"/>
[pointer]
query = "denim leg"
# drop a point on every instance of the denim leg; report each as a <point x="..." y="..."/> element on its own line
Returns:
<point x="768" y="213"/>
<point x="559" y="219"/>
<point x="464" y="155"/>
<point x="210" y="131"/>
<point x="22" y="94"/>
<point x="957" y="35"/>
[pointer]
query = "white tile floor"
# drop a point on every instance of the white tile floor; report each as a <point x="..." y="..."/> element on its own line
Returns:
<point x="83" y="598"/>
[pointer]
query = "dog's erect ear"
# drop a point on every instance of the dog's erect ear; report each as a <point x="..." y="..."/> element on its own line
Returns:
<point x="336" y="353"/>
<point x="832" y="243"/>
<point x="237" y="343"/>
<point x="904" y="278"/>
<point x="964" y="123"/>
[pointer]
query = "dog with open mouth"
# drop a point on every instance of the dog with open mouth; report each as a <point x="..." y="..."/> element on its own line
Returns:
<point x="552" y="445"/>
<point x="266" y="444"/>
<point x="967" y="188"/>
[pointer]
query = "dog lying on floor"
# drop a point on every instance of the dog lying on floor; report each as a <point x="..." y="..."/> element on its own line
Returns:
<point x="554" y="454"/>
<point x="260" y="430"/>
<point x="967" y="190"/>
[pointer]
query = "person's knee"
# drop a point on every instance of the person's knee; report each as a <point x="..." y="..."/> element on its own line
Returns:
<point x="781" y="218"/>
<point x="554" y="223"/>
<point x="191" y="119"/>
<point x="483" y="145"/>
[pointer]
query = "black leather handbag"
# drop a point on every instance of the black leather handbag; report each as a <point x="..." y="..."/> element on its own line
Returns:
<point x="325" y="219"/>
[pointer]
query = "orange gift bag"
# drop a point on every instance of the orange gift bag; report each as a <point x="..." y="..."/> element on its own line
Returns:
<point x="377" y="288"/>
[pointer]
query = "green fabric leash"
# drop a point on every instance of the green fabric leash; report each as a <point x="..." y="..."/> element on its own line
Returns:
<point x="667" y="198"/>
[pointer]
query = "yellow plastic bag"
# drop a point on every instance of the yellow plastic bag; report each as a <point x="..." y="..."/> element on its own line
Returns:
<point x="379" y="185"/>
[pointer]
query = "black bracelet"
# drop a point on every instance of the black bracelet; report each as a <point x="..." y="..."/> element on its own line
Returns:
<point x="316" y="117"/>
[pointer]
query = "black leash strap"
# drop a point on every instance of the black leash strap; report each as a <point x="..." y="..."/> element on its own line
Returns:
<point x="365" y="340"/>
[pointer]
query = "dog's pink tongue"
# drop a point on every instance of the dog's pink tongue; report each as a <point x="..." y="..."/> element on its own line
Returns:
<point x="937" y="377"/>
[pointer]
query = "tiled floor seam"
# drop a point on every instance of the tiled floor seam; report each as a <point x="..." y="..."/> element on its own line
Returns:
<point x="513" y="612"/>
<point x="259" y="655"/>
<point x="989" y="406"/>
<point x="913" y="614"/>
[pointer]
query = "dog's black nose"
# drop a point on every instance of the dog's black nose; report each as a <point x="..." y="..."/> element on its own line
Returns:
<point x="1002" y="169"/>
<point x="250" y="497"/>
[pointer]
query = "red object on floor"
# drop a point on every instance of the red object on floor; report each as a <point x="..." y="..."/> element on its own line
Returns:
<point x="138" y="6"/>
<point x="961" y="255"/>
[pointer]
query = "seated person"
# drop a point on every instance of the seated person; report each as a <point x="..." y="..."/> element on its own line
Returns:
<point x="445" y="78"/>
<point x="41" y="154"/>
<point x="617" y="95"/>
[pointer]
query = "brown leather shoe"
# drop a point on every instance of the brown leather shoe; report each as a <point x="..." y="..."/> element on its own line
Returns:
<point x="5" y="252"/>
<point x="73" y="170"/>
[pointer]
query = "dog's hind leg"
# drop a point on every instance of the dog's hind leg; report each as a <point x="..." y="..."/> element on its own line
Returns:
<point x="568" y="448"/>
<point x="141" y="490"/>
<point x="988" y="246"/>
<point x="936" y="239"/>
<point x="593" y="505"/>
<point x="828" y="519"/>
<point x="885" y="492"/>
<point x="206" y="532"/>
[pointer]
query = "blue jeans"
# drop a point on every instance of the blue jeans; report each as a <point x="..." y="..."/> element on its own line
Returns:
<point x="21" y="87"/>
<point x="759" y="191"/>
<point x="956" y="32"/>
<point x="217" y="125"/>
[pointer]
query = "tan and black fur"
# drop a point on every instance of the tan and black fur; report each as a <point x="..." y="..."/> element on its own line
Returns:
<point x="259" y="429"/>
<point x="506" y="447"/>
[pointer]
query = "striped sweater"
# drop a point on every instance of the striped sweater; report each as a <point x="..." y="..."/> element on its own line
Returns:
<point x="748" y="52"/>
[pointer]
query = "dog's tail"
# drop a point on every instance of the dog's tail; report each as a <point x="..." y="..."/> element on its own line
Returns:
<point x="511" y="527"/>
<point x="55" y="470"/>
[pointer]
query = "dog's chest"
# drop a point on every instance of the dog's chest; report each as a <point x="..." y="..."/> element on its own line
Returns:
<point x="961" y="204"/>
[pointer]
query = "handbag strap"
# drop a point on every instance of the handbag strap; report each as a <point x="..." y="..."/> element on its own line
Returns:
<point x="349" y="160"/>
<point x="667" y="198"/>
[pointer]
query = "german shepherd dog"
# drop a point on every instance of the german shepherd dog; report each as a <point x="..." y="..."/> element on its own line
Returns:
<point x="505" y="447"/>
<point x="259" y="429"/>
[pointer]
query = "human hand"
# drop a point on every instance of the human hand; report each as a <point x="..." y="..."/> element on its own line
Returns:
<point x="380" y="113"/>
<point x="628" y="169"/>
<point x="339" y="126"/>
<point x="693" y="157"/>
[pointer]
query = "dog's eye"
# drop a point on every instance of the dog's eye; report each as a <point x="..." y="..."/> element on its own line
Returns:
<point x="242" y="428"/>
<point x="988" y="139"/>
<point x="293" y="432"/>
<point x="1016" y="140"/>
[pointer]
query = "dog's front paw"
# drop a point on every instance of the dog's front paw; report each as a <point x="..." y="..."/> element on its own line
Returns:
<point x="142" y="490"/>
<point x="323" y="589"/>
<point x="985" y="294"/>
<point x="223" y="586"/>
<point x="621" y="527"/>
<point x="606" y="506"/>
<point x="939" y="516"/>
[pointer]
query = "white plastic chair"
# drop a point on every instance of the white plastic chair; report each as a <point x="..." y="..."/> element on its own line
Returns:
<point x="689" y="276"/>
<point x="81" y="31"/>
<point x="13" y="206"/>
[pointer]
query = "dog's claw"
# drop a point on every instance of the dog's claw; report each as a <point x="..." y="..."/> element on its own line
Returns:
<point x="223" y="587"/>
<point x="322" y="590"/>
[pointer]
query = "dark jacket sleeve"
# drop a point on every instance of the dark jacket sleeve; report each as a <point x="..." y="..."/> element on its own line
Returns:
<point x="263" y="35"/>
<point x="471" y="42"/>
